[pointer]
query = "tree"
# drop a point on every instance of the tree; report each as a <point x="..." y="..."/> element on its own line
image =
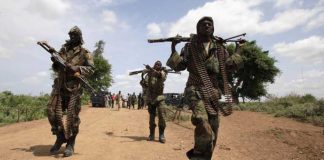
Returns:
<point x="250" y="81"/>
<point x="101" y="79"/>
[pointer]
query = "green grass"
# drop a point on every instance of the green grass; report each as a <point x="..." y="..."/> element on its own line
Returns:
<point x="302" y="108"/>
<point x="17" y="108"/>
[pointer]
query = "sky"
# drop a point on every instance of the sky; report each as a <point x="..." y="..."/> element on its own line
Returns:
<point x="291" y="30"/>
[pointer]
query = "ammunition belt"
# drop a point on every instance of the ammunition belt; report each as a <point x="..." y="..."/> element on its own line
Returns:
<point x="209" y="93"/>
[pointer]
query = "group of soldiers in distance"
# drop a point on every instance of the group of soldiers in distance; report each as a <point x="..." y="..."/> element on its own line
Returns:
<point x="123" y="101"/>
<point x="204" y="56"/>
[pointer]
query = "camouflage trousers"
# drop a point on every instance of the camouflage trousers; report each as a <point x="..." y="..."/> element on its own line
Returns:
<point x="206" y="130"/>
<point x="60" y="105"/>
<point x="161" y="112"/>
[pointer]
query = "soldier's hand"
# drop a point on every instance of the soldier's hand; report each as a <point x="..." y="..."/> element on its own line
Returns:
<point x="73" y="68"/>
<point x="148" y="67"/>
<point x="53" y="59"/>
<point x="240" y="42"/>
<point x="51" y="50"/>
<point x="77" y="74"/>
<point x="173" y="45"/>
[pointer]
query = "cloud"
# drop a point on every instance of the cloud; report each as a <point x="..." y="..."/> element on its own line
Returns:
<point x="307" y="83"/>
<point x="306" y="51"/>
<point x="286" y="3"/>
<point x="154" y="30"/>
<point x="110" y="21"/>
<point x="49" y="8"/>
<point x="5" y="53"/>
<point x="316" y="22"/>
<point x="36" y="79"/>
<point x="235" y="16"/>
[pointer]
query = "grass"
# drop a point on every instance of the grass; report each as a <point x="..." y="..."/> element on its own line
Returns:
<point x="302" y="108"/>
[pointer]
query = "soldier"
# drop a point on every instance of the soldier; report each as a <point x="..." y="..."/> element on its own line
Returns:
<point x="205" y="58"/>
<point x="153" y="84"/>
<point x="133" y="100"/>
<point x="118" y="99"/>
<point x="65" y="96"/>
<point x="113" y="99"/>
<point x="139" y="101"/>
<point x="128" y="101"/>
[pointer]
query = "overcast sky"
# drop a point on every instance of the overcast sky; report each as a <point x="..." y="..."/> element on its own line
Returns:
<point x="292" y="30"/>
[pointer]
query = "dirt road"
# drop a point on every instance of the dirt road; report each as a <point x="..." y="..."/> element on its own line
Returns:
<point x="107" y="134"/>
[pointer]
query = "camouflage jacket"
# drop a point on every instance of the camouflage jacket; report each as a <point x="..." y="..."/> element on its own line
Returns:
<point x="211" y="62"/>
<point x="66" y="82"/>
<point x="154" y="85"/>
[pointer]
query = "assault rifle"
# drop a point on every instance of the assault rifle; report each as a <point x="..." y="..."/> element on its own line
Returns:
<point x="188" y="39"/>
<point x="55" y="56"/>
<point x="141" y="71"/>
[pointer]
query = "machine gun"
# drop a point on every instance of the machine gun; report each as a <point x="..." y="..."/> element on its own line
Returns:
<point x="145" y="70"/>
<point x="56" y="57"/>
<point x="188" y="39"/>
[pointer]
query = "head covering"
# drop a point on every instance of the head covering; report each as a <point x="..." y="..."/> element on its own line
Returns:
<point x="202" y="19"/>
<point x="77" y="31"/>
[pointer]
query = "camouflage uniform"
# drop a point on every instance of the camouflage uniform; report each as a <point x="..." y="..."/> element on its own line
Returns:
<point x="153" y="85"/>
<point x="65" y="96"/>
<point x="205" y="134"/>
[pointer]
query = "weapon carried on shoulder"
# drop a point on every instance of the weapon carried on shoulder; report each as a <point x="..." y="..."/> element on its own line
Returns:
<point x="188" y="39"/>
<point x="144" y="70"/>
<point x="57" y="58"/>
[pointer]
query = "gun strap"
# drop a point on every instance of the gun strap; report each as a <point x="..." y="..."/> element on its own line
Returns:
<point x="210" y="95"/>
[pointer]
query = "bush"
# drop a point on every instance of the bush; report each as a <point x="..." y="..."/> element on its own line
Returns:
<point x="303" y="108"/>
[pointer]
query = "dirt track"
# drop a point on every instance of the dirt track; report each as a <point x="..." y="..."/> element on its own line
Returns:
<point x="121" y="135"/>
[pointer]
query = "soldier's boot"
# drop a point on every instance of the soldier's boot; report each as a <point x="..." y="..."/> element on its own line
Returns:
<point x="161" y="135"/>
<point x="60" y="139"/>
<point x="192" y="155"/>
<point x="152" y="134"/>
<point x="69" y="150"/>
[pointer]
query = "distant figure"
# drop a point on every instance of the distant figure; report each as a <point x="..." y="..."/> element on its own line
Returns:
<point x="128" y="101"/>
<point x="113" y="100"/>
<point x="118" y="99"/>
<point x="140" y="101"/>
<point x="133" y="100"/>
<point x="109" y="99"/>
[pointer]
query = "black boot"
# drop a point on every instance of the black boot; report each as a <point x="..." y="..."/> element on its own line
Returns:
<point x="69" y="150"/>
<point x="161" y="135"/>
<point x="60" y="139"/>
<point x="196" y="156"/>
<point x="152" y="134"/>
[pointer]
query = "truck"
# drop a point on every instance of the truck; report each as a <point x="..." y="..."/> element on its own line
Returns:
<point x="100" y="99"/>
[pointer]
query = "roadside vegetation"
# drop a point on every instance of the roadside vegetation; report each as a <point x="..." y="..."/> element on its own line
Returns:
<point x="304" y="108"/>
<point x="19" y="108"/>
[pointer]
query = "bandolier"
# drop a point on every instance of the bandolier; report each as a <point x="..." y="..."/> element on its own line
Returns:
<point x="65" y="96"/>
<point x="207" y="62"/>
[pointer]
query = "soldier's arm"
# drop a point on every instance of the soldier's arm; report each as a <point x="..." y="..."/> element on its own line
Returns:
<point x="234" y="61"/>
<point x="56" y="65"/>
<point x="87" y="68"/>
<point x="178" y="62"/>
